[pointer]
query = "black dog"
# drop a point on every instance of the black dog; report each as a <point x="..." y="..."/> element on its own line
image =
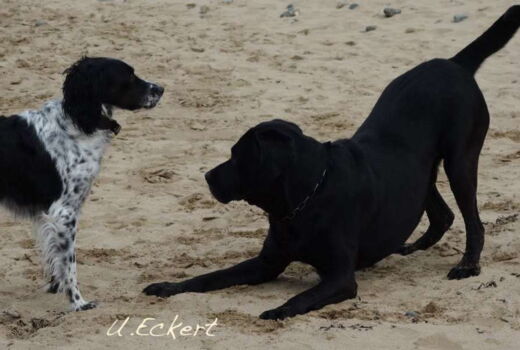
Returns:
<point x="345" y="205"/>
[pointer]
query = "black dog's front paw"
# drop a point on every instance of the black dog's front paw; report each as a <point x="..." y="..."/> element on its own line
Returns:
<point x="163" y="290"/>
<point x="279" y="313"/>
<point x="406" y="249"/>
<point x="463" y="271"/>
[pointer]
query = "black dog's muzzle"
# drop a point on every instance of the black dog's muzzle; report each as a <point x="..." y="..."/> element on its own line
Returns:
<point x="222" y="183"/>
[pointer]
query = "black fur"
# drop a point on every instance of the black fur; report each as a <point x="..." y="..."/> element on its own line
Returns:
<point x="93" y="82"/>
<point x="29" y="181"/>
<point x="495" y="38"/>
<point x="377" y="185"/>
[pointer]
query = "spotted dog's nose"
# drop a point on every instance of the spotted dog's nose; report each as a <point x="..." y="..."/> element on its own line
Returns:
<point x="153" y="95"/>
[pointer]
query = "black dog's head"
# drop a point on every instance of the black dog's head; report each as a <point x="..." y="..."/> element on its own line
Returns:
<point x="92" y="83"/>
<point x="257" y="165"/>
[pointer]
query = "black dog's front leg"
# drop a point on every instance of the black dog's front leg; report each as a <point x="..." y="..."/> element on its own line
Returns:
<point x="329" y="291"/>
<point x="253" y="271"/>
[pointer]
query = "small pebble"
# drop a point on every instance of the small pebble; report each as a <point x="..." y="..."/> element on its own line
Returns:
<point x="370" y="28"/>
<point x="412" y="314"/>
<point x="20" y="63"/>
<point x="39" y="23"/>
<point x="390" y="12"/>
<point x="459" y="18"/>
<point x="290" y="12"/>
<point x="12" y="313"/>
<point x="227" y="1"/>
<point x="203" y="9"/>
<point x="353" y="6"/>
<point x="341" y="4"/>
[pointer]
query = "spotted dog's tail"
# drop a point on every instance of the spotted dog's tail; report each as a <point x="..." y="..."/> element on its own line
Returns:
<point x="493" y="39"/>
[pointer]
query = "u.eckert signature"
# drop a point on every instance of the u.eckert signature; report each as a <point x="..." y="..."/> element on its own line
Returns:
<point x="151" y="327"/>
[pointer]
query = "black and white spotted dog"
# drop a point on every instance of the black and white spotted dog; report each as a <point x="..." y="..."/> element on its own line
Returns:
<point x="50" y="157"/>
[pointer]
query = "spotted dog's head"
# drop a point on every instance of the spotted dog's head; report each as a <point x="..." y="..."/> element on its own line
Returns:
<point x="258" y="163"/>
<point x="94" y="85"/>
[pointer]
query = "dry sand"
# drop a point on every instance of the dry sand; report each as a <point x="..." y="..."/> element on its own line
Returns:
<point x="150" y="216"/>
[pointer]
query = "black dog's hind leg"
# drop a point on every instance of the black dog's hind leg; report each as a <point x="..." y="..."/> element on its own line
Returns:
<point x="440" y="217"/>
<point x="462" y="152"/>
<point x="253" y="271"/>
<point x="462" y="173"/>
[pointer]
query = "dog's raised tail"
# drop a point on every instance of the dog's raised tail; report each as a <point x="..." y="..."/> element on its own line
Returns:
<point x="493" y="39"/>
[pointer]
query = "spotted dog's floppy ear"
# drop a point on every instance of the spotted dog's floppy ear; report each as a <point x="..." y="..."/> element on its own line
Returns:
<point x="82" y="91"/>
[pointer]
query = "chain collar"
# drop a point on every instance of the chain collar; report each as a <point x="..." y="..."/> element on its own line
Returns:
<point x="303" y="203"/>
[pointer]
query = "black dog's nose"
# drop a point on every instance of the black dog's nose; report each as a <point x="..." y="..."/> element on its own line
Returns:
<point x="157" y="90"/>
<point x="207" y="175"/>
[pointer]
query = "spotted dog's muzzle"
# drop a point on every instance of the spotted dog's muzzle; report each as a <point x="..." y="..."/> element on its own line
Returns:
<point x="153" y="96"/>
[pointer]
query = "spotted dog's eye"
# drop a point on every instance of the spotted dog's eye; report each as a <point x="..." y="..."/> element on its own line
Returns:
<point x="127" y="83"/>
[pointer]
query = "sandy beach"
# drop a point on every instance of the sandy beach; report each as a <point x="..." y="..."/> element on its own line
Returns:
<point x="227" y="67"/>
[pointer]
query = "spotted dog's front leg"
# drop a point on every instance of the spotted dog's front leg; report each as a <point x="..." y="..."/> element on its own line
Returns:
<point x="56" y="233"/>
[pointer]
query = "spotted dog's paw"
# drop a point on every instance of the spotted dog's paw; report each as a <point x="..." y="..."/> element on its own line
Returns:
<point x="52" y="287"/>
<point x="89" y="305"/>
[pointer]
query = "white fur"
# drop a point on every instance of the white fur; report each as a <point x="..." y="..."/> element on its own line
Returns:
<point x="77" y="157"/>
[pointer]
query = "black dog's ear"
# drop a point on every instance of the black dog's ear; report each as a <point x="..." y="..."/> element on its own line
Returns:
<point x="273" y="136"/>
<point x="275" y="143"/>
<point x="81" y="95"/>
<point x="295" y="128"/>
<point x="277" y="133"/>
